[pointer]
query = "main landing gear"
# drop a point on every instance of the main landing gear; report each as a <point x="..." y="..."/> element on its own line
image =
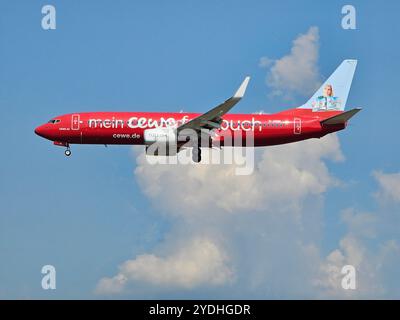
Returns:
<point x="196" y="155"/>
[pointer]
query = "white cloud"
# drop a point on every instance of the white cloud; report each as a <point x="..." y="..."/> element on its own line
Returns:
<point x="198" y="262"/>
<point x="297" y="72"/>
<point x="206" y="197"/>
<point x="350" y="252"/>
<point x="369" y="265"/>
<point x="389" y="186"/>
<point x="360" y="223"/>
<point x="110" y="286"/>
<point x="265" y="62"/>
<point x="370" y="262"/>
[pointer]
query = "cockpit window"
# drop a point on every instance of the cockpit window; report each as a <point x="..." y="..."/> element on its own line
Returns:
<point x="54" y="121"/>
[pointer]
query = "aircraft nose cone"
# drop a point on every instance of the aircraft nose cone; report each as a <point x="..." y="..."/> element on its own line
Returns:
<point x="39" y="131"/>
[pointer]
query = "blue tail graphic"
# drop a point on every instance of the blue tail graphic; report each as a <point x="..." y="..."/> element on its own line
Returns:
<point x="332" y="95"/>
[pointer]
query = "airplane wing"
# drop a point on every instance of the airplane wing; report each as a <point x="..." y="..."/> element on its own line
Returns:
<point x="212" y="119"/>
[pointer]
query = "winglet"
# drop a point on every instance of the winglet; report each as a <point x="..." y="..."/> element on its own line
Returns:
<point x="242" y="89"/>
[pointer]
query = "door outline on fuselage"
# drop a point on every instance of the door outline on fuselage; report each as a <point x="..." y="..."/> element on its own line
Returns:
<point x="297" y="125"/>
<point x="75" y="122"/>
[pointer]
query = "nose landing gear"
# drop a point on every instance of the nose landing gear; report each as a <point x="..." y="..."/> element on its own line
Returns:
<point x="68" y="152"/>
<point x="64" y="144"/>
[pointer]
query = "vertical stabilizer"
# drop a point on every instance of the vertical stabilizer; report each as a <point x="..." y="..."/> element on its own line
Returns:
<point x="332" y="95"/>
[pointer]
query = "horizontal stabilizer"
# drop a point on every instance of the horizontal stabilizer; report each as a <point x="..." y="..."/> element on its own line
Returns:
<point x="340" y="118"/>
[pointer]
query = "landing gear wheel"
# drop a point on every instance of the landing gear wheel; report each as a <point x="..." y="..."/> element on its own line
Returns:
<point x="67" y="152"/>
<point x="196" y="155"/>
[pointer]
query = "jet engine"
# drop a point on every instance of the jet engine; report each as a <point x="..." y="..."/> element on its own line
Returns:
<point x="162" y="135"/>
<point x="160" y="141"/>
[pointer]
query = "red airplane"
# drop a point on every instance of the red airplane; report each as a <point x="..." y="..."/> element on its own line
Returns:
<point x="322" y="114"/>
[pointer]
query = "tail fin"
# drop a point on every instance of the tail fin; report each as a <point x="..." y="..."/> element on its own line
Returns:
<point x="332" y="95"/>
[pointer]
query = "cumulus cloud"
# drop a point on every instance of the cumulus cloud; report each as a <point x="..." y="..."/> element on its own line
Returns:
<point x="370" y="262"/>
<point x="211" y="202"/>
<point x="267" y="246"/>
<point x="360" y="223"/>
<point x="196" y="263"/>
<point x="297" y="72"/>
<point x="389" y="186"/>
<point x="350" y="252"/>
<point x="370" y="265"/>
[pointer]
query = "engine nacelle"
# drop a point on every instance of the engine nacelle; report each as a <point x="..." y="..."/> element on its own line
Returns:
<point x="160" y="141"/>
<point x="160" y="135"/>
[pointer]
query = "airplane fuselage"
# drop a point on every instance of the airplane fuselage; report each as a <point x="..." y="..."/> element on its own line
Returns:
<point x="128" y="128"/>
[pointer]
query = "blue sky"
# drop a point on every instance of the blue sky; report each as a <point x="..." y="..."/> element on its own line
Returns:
<point x="89" y="213"/>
